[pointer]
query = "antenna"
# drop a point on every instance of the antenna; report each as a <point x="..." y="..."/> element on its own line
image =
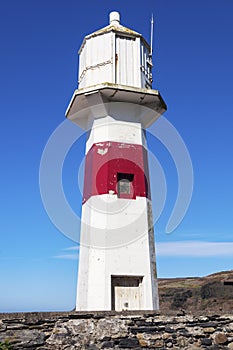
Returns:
<point x="151" y="34"/>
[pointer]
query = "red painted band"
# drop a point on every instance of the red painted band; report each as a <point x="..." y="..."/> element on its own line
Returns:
<point x="119" y="168"/>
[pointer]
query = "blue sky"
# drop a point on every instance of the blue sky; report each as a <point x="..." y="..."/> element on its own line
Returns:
<point x="193" y="57"/>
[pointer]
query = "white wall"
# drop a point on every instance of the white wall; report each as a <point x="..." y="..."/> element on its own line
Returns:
<point x="115" y="240"/>
<point x="114" y="58"/>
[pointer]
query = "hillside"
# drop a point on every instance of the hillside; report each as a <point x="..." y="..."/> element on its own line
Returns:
<point x="213" y="293"/>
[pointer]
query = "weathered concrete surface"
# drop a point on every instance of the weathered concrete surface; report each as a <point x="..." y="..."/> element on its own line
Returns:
<point x="111" y="330"/>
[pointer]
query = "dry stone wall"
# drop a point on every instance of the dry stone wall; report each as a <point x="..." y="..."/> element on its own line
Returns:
<point x="110" y="330"/>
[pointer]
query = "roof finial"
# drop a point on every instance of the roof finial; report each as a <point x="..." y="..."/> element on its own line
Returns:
<point x="114" y="18"/>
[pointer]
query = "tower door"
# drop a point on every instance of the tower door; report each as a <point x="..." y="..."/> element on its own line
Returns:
<point x="126" y="293"/>
<point x="126" y="56"/>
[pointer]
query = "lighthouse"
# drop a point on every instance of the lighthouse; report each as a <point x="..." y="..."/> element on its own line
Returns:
<point x="115" y="103"/>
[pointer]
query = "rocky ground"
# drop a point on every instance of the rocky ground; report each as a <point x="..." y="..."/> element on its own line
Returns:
<point x="195" y="313"/>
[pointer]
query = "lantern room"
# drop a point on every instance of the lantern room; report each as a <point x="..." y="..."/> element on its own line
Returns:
<point x="117" y="55"/>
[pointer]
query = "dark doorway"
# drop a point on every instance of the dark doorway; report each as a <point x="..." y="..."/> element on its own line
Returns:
<point x="126" y="292"/>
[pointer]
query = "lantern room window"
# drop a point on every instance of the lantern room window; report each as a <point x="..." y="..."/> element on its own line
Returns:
<point x="124" y="185"/>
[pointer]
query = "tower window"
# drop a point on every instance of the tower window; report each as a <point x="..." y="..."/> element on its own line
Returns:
<point x="124" y="185"/>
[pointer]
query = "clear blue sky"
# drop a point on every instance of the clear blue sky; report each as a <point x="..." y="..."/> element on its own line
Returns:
<point x="193" y="58"/>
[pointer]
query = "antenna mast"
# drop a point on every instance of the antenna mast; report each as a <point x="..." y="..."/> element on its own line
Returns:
<point x="151" y="34"/>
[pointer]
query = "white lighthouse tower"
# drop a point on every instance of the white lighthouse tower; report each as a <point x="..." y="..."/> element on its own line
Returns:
<point x="115" y="103"/>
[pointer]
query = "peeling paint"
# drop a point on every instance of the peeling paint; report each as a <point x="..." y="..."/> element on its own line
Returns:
<point x="127" y="145"/>
<point x="102" y="144"/>
<point x="102" y="151"/>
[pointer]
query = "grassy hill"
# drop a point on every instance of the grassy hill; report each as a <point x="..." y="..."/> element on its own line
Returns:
<point x="213" y="293"/>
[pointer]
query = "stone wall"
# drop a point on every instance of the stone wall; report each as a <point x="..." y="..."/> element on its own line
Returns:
<point x="111" y="330"/>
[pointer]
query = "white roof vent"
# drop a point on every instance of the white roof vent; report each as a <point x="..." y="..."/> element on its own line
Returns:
<point x="114" y="18"/>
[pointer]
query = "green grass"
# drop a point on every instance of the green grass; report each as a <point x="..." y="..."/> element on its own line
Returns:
<point x="5" y="345"/>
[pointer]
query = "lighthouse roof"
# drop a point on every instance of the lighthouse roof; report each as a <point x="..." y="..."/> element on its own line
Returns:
<point x="114" y="26"/>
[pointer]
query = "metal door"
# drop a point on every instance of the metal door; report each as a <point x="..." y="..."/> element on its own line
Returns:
<point x="126" y="293"/>
<point x="126" y="55"/>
